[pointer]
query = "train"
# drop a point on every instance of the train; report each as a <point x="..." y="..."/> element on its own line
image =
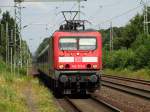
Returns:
<point x="73" y="59"/>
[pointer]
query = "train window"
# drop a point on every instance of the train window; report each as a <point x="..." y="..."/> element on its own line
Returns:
<point x="68" y="44"/>
<point x="77" y="43"/>
<point x="87" y="43"/>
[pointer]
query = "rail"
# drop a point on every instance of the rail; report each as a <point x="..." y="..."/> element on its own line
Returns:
<point x="127" y="79"/>
<point x="128" y="89"/>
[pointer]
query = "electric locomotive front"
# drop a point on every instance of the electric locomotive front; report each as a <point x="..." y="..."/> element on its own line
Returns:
<point x="77" y="60"/>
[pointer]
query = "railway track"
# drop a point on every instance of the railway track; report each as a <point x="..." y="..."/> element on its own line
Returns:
<point x="113" y="108"/>
<point x="144" y="93"/>
<point x="144" y="82"/>
<point x="90" y="104"/>
<point x="76" y="108"/>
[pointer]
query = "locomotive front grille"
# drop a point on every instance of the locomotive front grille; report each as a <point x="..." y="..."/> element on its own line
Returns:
<point x="64" y="78"/>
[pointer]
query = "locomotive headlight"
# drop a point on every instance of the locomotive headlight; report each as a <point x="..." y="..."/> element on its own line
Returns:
<point x="61" y="66"/>
<point x="94" y="66"/>
<point x="63" y="78"/>
<point x="93" y="78"/>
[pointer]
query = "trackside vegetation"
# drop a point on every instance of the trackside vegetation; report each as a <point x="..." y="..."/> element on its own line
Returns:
<point x="19" y="93"/>
<point x="131" y="54"/>
<point x="137" y="74"/>
<point x="133" y="58"/>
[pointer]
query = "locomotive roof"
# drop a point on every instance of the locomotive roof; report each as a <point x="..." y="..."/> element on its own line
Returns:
<point x="87" y="30"/>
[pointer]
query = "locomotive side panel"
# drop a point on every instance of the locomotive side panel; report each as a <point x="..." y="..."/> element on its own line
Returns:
<point x="50" y="55"/>
<point x="100" y="50"/>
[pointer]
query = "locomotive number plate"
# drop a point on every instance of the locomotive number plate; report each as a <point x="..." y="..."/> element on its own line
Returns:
<point x="78" y="66"/>
<point x="78" y="59"/>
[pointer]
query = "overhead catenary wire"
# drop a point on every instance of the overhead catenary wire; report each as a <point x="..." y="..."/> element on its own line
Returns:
<point x="101" y="6"/>
<point x="109" y="20"/>
<point x="122" y="14"/>
<point x="6" y="6"/>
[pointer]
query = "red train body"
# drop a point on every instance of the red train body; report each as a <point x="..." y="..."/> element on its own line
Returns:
<point x="73" y="60"/>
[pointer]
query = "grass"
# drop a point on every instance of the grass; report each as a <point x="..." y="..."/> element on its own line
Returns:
<point x="19" y="93"/>
<point x="139" y="74"/>
<point x="10" y="99"/>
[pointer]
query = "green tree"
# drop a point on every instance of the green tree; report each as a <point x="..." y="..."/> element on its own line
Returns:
<point x="7" y="19"/>
<point x="142" y="51"/>
<point x="119" y="59"/>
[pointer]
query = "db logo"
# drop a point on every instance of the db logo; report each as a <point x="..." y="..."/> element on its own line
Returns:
<point x="78" y="59"/>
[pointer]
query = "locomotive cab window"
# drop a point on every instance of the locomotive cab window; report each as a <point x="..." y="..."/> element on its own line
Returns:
<point x="87" y="43"/>
<point x="77" y="43"/>
<point x="68" y="44"/>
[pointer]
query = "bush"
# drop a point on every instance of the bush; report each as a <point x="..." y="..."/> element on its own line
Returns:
<point x="2" y="64"/>
<point x="141" y="57"/>
<point x="142" y="51"/>
<point x="23" y="71"/>
<point x="136" y="58"/>
<point x="119" y="59"/>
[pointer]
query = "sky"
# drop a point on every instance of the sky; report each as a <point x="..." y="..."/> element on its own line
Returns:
<point x="43" y="18"/>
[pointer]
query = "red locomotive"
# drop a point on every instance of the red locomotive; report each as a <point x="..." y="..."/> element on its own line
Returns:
<point x="73" y="59"/>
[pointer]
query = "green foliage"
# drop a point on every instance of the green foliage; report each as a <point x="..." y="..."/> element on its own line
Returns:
<point x="23" y="94"/>
<point x="131" y="46"/>
<point x="5" y="38"/>
<point x="124" y="37"/>
<point x="141" y="56"/>
<point x="142" y="51"/>
<point x="119" y="59"/>
<point x="135" y="58"/>
<point x="2" y="64"/>
<point x="6" y="19"/>
<point x="23" y="71"/>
